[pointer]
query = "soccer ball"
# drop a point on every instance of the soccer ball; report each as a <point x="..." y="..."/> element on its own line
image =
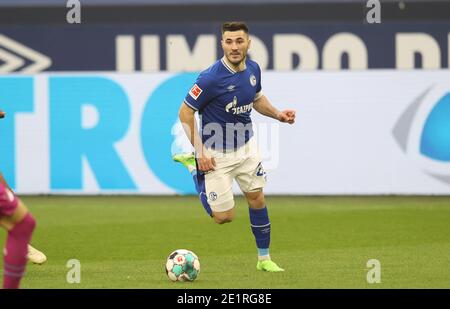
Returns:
<point x="182" y="265"/>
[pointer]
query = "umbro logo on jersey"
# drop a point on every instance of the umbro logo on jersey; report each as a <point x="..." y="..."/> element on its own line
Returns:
<point x="195" y="91"/>
<point x="231" y="88"/>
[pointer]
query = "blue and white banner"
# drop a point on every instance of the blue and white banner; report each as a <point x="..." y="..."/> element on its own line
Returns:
<point x="377" y="132"/>
<point x="181" y="47"/>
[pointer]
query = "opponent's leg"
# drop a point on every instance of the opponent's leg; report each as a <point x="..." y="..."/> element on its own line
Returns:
<point x="20" y="225"/>
<point x="35" y="256"/>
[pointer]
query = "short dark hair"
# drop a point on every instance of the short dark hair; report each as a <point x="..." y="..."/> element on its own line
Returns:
<point x="234" y="26"/>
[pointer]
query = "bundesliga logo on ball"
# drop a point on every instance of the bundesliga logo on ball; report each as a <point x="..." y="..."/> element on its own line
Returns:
<point x="182" y="265"/>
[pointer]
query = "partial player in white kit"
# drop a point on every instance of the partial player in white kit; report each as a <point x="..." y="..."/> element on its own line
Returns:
<point x="224" y="96"/>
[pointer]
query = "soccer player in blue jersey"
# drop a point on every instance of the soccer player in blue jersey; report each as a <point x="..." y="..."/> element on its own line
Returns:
<point x="224" y="96"/>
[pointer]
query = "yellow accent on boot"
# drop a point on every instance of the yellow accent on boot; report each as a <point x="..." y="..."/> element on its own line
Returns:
<point x="187" y="159"/>
<point x="268" y="265"/>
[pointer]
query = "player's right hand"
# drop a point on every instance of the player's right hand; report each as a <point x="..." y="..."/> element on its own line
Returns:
<point x="287" y="116"/>
<point x="2" y="114"/>
<point x="205" y="162"/>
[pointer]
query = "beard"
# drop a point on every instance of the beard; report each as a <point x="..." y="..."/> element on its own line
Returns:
<point x="234" y="61"/>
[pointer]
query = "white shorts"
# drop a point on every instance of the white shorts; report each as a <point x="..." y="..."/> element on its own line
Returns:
<point x="244" y="165"/>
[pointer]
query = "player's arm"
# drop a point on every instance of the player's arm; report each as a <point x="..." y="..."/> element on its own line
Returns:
<point x="263" y="106"/>
<point x="2" y="114"/>
<point x="187" y="117"/>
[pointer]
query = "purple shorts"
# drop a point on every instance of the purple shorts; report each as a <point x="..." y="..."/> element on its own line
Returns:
<point x="8" y="201"/>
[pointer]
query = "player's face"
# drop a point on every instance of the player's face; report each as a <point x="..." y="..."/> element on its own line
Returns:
<point x="235" y="45"/>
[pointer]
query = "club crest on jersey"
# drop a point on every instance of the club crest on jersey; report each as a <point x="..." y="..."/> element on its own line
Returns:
<point x="253" y="80"/>
<point x="195" y="91"/>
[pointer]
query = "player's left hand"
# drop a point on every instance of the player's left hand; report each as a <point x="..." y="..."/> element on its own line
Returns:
<point x="2" y="114"/>
<point x="287" y="116"/>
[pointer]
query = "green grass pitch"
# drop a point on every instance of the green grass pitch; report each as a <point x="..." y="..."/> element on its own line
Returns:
<point x="322" y="242"/>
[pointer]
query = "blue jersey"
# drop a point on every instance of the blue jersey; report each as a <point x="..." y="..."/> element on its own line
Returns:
<point x="224" y="99"/>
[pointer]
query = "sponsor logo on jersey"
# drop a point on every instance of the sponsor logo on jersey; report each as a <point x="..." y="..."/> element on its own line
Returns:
<point x="236" y="110"/>
<point x="231" y="105"/>
<point x="195" y="91"/>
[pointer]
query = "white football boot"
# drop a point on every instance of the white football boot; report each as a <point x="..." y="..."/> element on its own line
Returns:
<point x="35" y="256"/>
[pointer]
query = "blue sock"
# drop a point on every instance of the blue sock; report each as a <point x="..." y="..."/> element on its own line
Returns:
<point x="199" y="180"/>
<point x="259" y="221"/>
